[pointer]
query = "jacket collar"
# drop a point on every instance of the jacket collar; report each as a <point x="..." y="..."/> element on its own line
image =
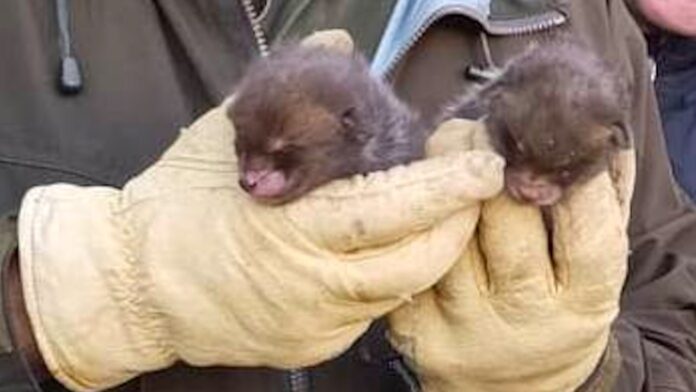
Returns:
<point x="411" y="18"/>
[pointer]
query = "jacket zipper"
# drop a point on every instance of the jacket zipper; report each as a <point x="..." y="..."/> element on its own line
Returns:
<point x="534" y="24"/>
<point x="255" y="21"/>
<point x="298" y="380"/>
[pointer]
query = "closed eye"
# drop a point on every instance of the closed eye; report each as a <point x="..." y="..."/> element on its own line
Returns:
<point x="566" y="176"/>
<point x="287" y="154"/>
<point x="513" y="147"/>
<point x="284" y="148"/>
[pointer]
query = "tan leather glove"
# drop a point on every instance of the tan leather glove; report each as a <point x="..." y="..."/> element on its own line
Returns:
<point x="511" y="317"/>
<point x="182" y="265"/>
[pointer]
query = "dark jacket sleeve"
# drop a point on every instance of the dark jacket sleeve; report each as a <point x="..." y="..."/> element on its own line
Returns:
<point x="656" y="329"/>
<point x="643" y="23"/>
<point x="148" y="68"/>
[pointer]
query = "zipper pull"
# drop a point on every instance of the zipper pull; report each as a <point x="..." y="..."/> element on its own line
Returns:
<point x="482" y="75"/>
<point x="69" y="74"/>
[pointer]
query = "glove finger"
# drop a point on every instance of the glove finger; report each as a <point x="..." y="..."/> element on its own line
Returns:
<point x="384" y="207"/>
<point x="337" y="39"/>
<point x="405" y="267"/>
<point x="590" y="238"/>
<point x="457" y="135"/>
<point x="514" y="243"/>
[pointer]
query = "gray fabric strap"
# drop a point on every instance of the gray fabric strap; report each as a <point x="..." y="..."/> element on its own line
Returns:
<point x="13" y="375"/>
<point x="8" y="244"/>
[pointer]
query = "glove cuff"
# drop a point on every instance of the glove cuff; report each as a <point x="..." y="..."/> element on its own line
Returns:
<point x="84" y="289"/>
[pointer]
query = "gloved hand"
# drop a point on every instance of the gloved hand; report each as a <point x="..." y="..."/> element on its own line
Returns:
<point x="510" y="316"/>
<point x="182" y="265"/>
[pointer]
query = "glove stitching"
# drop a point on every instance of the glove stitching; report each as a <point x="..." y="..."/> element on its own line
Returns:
<point x="145" y="316"/>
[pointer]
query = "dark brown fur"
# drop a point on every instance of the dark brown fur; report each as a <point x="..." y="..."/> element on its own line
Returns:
<point x="557" y="114"/>
<point x="306" y="116"/>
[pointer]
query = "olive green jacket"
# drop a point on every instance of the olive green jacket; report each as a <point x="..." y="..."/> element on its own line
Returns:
<point x="150" y="67"/>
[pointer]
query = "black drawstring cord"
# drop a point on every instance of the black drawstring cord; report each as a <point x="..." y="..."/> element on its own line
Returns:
<point x="69" y="77"/>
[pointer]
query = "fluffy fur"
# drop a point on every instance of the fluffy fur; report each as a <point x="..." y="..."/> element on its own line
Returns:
<point x="556" y="113"/>
<point x="308" y="115"/>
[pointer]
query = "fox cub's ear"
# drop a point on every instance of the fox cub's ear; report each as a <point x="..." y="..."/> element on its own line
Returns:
<point x="620" y="136"/>
<point x="351" y="126"/>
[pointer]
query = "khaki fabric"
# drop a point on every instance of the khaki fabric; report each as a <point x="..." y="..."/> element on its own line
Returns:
<point x="510" y="316"/>
<point x="181" y="265"/>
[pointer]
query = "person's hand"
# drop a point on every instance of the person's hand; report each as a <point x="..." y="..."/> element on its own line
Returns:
<point x="677" y="16"/>
<point x="182" y="265"/>
<point x="512" y="316"/>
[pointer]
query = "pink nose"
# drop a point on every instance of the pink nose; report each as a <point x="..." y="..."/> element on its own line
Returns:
<point x="541" y="195"/>
<point x="251" y="178"/>
<point x="525" y="185"/>
<point x="264" y="183"/>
